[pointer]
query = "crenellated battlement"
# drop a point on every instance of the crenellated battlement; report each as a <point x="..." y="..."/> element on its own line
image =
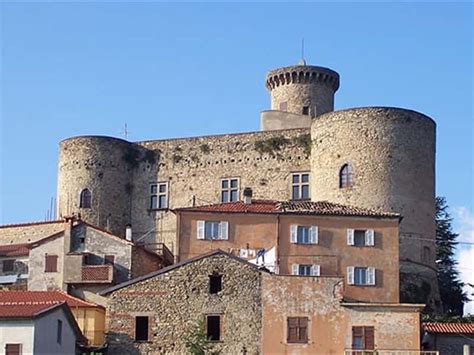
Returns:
<point x="302" y="74"/>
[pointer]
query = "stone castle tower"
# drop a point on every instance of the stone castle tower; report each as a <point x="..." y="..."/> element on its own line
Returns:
<point x="374" y="157"/>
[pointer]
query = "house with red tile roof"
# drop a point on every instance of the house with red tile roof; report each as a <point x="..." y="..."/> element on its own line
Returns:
<point x="448" y="338"/>
<point x="36" y="324"/>
<point x="89" y="316"/>
<point x="79" y="258"/>
<point x="302" y="238"/>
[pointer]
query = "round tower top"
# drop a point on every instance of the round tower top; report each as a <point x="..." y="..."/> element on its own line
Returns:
<point x="302" y="74"/>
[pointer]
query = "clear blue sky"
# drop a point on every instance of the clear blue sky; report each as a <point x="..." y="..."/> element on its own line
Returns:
<point x="173" y="70"/>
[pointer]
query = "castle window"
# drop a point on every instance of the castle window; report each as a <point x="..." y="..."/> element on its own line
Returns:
<point x="300" y="186"/>
<point x="426" y="254"/>
<point x="85" y="200"/>
<point x="8" y="265"/>
<point x="283" y="106"/>
<point x="345" y="176"/>
<point x="229" y="190"/>
<point x="306" y="110"/>
<point x="159" y="196"/>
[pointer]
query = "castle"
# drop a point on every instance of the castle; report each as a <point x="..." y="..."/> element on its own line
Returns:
<point x="379" y="158"/>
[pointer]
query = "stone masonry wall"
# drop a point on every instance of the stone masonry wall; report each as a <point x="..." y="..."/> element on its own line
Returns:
<point x="195" y="167"/>
<point x="392" y="153"/>
<point x="177" y="300"/>
<point x="28" y="232"/>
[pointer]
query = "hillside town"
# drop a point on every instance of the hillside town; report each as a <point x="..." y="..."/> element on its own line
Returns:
<point x="314" y="235"/>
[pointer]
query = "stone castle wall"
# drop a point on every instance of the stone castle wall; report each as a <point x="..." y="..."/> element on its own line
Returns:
<point x="119" y="175"/>
<point x="392" y="153"/>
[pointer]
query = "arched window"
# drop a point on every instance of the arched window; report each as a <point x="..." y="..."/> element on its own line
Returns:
<point x="85" y="200"/>
<point x="345" y="176"/>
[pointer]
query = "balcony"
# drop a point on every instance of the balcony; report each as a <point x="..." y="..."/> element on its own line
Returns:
<point x="97" y="274"/>
<point x="389" y="352"/>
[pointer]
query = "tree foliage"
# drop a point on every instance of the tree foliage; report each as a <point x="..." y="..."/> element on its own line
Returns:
<point x="450" y="286"/>
<point x="197" y="342"/>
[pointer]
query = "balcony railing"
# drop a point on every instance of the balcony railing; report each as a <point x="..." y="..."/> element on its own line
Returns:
<point x="97" y="273"/>
<point x="389" y="352"/>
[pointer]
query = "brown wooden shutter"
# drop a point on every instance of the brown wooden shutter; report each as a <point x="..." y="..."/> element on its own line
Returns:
<point x="13" y="349"/>
<point x="369" y="342"/>
<point x="51" y="263"/>
<point x="292" y="329"/>
<point x="303" y="331"/>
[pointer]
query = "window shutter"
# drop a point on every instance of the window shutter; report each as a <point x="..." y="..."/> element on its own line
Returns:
<point x="315" y="270"/>
<point x="369" y="342"/>
<point x="224" y="230"/>
<point x="370" y="276"/>
<point x="369" y="237"/>
<point x="200" y="229"/>
<point x="350" y="275"/>
<point x="350" y="237"/>
<point x="294" y="233"/>
<point x="292" y="329"/>
<point x="303" y="331"/>
<point x="295" y="269"/>
<point x="313" y="235"/>
<point x="357" y="332"/>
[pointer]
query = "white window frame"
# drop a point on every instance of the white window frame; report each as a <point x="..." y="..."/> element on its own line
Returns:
<point x="159" y="194"/>
<point x="312" y="230"/>
<point x="222" y="233"/>
<point x="229" y="189"/>
<point x="369" y="240"/>
<point x="314" y="271"/>
<point x="369" y="276"/>
<point x="299" y="185"/>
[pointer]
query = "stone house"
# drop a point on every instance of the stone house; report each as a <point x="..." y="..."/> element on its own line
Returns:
<point x="36" y="326"/>
<point x="83" y="259"/>
<point x="243" y="308"/>
<point x="449" y="338"/>
<point x="302" y="238"/>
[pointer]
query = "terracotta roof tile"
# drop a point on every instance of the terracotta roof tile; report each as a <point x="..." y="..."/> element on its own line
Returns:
<point x="15" y="249"/>
<point x="22" y="310"/>
<point x="290" y="207"/>
<point x="37" y="298"/>
<point x="456" y="328"/>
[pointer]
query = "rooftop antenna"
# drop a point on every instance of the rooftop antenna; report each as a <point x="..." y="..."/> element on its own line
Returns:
<point x="125" y="131"/>
<point x="302" y="61"/>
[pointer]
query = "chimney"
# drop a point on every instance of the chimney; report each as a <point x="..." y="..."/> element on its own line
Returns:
<point x="247" y="195"/>
<point x="128" y="232"/>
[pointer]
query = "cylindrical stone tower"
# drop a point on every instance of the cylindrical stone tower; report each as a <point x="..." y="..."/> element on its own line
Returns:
<point x="95" y="181"/>
<point x="303" y="89"/>
<point x="383" y="158"/>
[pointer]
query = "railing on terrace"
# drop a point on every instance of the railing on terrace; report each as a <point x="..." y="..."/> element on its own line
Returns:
<point x="97" y="273"/>
<point x="389" y="352"/>
<point x="161" y="249"/>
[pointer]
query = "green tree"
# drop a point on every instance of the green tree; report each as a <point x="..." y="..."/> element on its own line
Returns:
<point x="450" y="286"/>
<point x="197" y="342"/>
